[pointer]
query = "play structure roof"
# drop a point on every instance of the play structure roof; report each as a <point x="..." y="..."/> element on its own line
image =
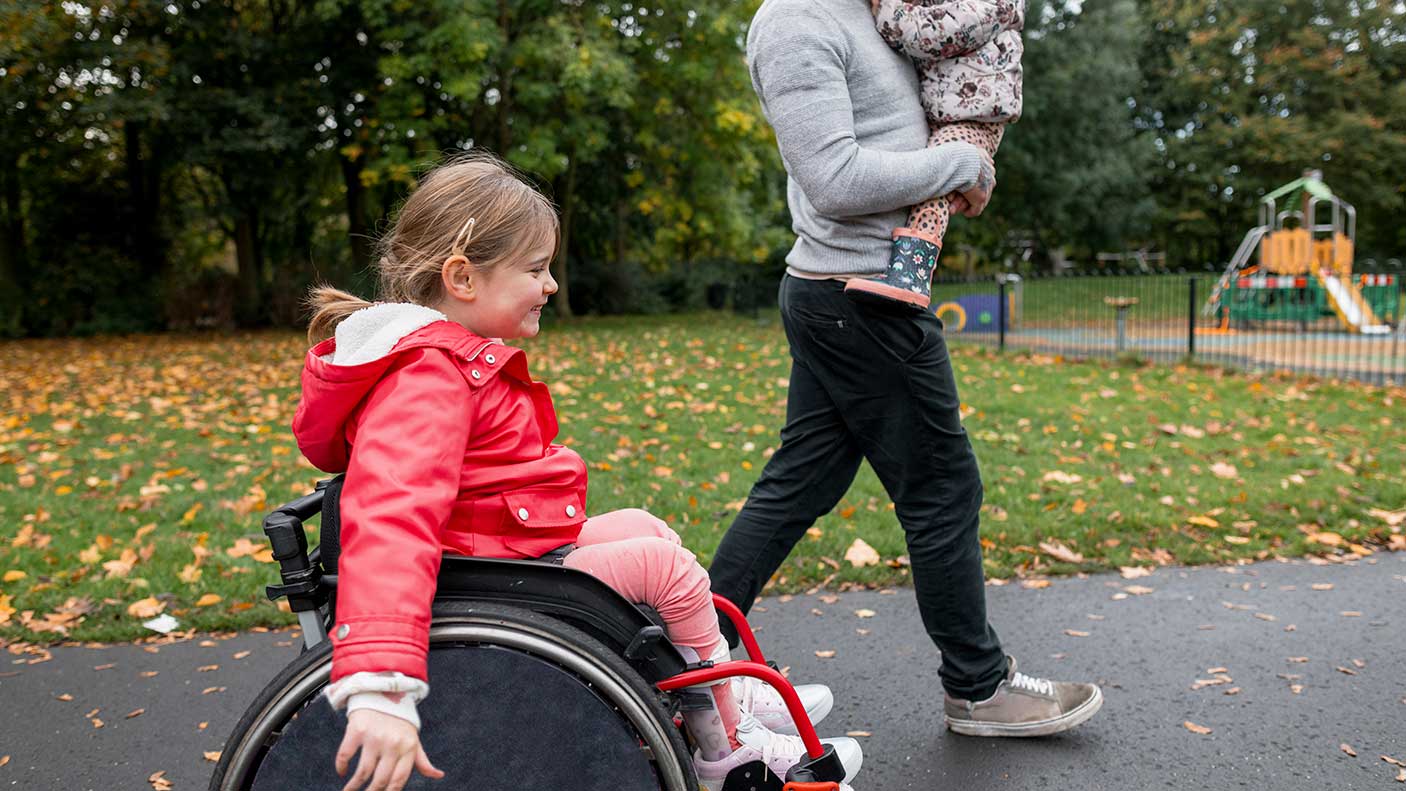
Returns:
<point x="1308" y="184"/>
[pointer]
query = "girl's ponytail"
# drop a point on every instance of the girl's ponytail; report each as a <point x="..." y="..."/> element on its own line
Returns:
<point x="329" y="306"/>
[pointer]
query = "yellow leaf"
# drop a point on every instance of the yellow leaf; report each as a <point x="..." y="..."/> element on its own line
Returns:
<point x="190" y="573"/>
<point x="146" y="608"/>
<point x="14" y="575"/>
<point x="1204" y="521"/>
<point x="860" y="554"/>
<point x="1194" y="728"/>
<point x="1059" y="551"/>
<point x="208" y="599"/>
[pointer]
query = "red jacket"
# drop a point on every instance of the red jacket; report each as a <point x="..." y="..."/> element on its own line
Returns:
<point x="446" y="446"/>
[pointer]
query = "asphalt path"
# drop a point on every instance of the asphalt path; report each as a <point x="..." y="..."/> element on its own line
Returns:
<point x="1294" y="661"/>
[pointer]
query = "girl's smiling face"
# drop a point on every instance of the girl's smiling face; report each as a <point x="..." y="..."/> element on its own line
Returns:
<point x="505" y="301"/>
<point x="512" y="294"/>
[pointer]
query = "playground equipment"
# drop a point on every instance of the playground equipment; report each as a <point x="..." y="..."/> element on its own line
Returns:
<point x="982" y="312"/>
<point x="1304" y="271"/>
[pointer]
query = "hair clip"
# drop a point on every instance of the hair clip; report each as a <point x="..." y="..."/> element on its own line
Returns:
<point x="469" y="227"/>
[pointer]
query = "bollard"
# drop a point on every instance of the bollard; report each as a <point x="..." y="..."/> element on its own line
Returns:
<point x="1001" y="314"/>
<point x="1191" y="319"/>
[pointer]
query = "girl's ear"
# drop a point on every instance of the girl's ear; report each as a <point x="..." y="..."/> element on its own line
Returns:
<point x="457" y="276"/>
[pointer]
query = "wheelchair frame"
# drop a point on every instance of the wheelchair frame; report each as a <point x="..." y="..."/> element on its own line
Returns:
<point x="571" y="596"/>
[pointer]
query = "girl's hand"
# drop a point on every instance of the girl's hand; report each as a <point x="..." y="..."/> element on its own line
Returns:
<point x="979" y="194"/>
<point x="390" y="749"/>
<point x="874" y="6"/>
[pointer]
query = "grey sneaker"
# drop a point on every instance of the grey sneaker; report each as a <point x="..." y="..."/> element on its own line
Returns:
<point x="1024" y="706"/>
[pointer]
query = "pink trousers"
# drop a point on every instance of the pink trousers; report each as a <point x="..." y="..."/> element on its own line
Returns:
<point x="639" y="556"/>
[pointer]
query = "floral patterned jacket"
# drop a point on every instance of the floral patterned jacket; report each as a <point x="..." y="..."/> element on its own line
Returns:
<point x="967" y="53"/>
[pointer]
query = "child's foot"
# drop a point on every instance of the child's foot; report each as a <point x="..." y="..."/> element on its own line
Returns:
<point x="771" y="752"/>
<point x="907" y="284"/>
<point x="759" y="699"/>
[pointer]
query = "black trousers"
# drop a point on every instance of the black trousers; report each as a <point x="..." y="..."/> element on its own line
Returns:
<point x="866" y="384"/>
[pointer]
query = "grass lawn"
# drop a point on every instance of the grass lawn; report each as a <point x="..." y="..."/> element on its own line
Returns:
<point x="134" y="471"/>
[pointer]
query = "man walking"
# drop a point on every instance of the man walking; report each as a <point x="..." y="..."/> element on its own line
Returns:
<point x="867" y="383"/>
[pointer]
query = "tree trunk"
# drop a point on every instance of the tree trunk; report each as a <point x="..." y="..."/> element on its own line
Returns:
<point x="246" y="254"/>
<point x="359" y="232"/>
<point x="505" y="81"/>
<point x="144" y="198"/>
<point x="568" y="204"/>
<point x="12" y="254"/>
<point x="622" y="211"/>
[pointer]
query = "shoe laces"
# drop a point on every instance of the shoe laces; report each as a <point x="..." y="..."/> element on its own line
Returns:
<point x="749" y="693"/>
<point x="776" y="744"/>
<point x="1038" y="685"/>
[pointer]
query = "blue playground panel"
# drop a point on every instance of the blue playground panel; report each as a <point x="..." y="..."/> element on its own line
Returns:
<point x="972" y="313"/>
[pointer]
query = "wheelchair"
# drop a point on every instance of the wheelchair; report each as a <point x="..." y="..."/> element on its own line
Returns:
<point x="595" y="699"/>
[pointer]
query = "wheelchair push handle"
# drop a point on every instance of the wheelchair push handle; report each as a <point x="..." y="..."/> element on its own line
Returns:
<point x="302" y="579"/>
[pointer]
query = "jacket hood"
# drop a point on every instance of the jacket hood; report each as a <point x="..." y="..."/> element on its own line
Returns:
<point x="339" y="372"/>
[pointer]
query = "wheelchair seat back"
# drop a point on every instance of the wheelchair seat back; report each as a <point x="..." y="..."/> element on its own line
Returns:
<point x="547" y="588"/>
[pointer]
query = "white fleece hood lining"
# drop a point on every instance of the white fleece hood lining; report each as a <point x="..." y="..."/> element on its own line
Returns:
<point x="370" y="333"/>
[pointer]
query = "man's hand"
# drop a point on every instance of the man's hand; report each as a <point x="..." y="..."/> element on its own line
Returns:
<point x="979" y="194"/>
<point x="390" y="749"/>
<point x="874" y="6"/>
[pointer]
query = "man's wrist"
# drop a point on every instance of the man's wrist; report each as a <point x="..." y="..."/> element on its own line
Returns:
<point x="965" y="161"/>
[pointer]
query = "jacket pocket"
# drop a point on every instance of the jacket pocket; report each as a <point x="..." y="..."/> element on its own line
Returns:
<point x="535" y="514"/>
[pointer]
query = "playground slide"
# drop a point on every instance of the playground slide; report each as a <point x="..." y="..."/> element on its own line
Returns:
<point x="1351" y="306"/>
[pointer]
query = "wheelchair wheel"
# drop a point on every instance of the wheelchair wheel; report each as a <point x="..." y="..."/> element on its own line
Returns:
<point x="564" y="663"/>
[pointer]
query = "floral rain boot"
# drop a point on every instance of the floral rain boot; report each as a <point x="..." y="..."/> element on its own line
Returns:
<point x="907" y="284"/>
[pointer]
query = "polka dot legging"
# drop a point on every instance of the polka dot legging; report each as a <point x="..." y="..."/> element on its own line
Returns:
<point x="930" y="217"/>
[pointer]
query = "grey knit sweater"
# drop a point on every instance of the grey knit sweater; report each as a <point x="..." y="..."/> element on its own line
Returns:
<point x="851" y="132"/>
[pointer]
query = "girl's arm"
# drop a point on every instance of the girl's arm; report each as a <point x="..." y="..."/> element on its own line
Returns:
<point x="948" y="29"/>
<point x="401" y="485"/>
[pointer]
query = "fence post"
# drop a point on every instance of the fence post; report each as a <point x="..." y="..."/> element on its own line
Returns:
<point x="1001" y="312"/>
<point x="1191" y="319"/>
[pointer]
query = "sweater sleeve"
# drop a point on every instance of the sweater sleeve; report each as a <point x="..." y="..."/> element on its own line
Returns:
<point x="949" y="29"/>
<point x="402" y="482"/>
<point x="798" y="72"/>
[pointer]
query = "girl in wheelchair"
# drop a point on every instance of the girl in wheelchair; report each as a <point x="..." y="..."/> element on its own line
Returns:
<point x="446" y="444"/>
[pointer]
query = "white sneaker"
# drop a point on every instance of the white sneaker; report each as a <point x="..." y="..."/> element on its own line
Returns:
<point x="761" y="700"/>
<point x="776" y="752"/>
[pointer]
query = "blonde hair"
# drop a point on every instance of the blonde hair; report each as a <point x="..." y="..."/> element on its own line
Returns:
<point x="476" y="206"/>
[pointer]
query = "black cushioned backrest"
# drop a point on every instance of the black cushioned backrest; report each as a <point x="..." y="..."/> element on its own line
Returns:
<point x="329" y="535"/>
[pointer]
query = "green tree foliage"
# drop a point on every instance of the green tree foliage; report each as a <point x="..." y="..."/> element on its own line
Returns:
<point x="1071" y="173"/>
<point x="192" y="162"/>
<point x="275" y="139"/>
<point x="1244" y="96"/>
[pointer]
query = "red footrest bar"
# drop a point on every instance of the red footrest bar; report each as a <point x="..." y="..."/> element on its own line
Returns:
<point x="724" y="670"/>
<point x="744" y="629"/>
